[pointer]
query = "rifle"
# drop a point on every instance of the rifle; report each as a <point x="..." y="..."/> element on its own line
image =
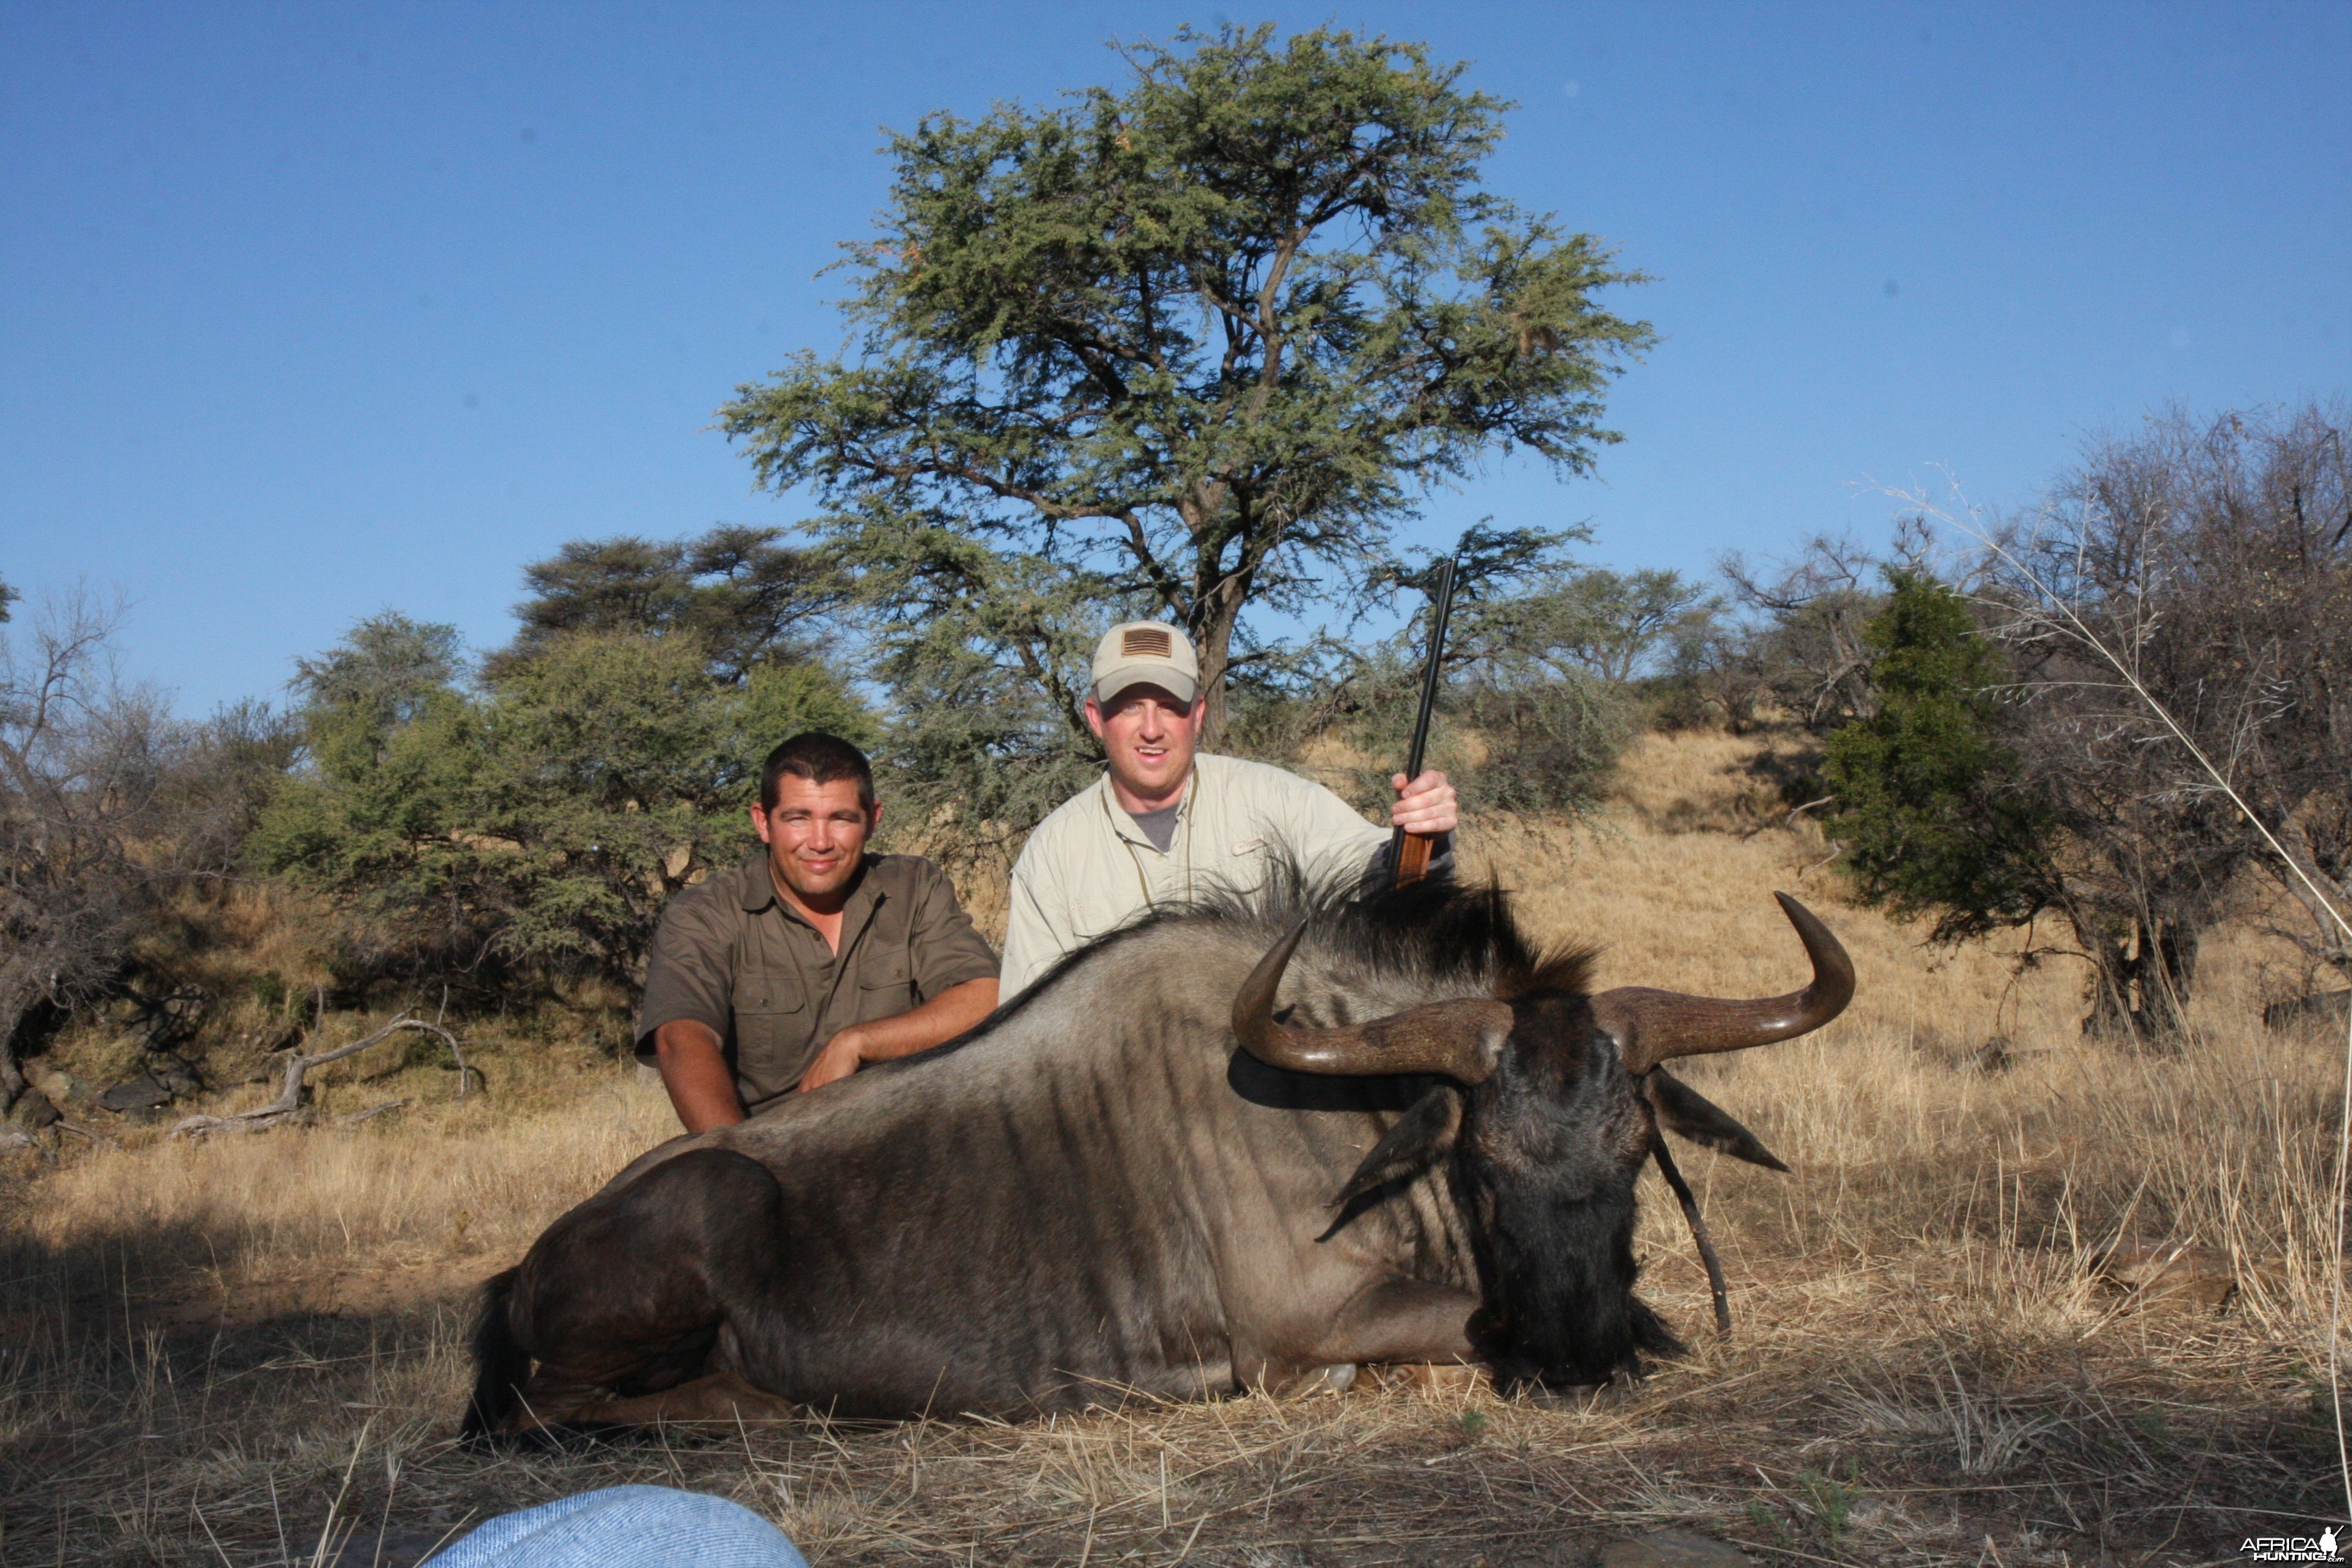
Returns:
<point x="1409" y="852"/>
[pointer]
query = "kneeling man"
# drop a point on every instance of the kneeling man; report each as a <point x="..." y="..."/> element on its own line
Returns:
<point x="812" y="955"/>
<point x="1167" y="823"/>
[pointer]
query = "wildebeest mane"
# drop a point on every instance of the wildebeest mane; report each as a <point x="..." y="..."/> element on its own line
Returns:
<point x="1451" y="936"/>
<point x="1455" y="937"/>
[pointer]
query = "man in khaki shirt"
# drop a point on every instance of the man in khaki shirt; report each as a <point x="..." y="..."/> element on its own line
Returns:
<point x="1167" y="823"/>
<point x="811" y="956"/>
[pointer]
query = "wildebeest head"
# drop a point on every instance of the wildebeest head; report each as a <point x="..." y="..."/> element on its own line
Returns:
<point x="1553" y="1096"/>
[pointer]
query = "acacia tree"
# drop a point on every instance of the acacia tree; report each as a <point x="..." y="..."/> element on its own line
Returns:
<point x="1193" y="346"/>
<point x="744" y="596"/>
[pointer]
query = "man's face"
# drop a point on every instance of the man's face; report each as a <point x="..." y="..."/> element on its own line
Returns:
<point x="1149" y="736"/>
<point x="815" y="834"/>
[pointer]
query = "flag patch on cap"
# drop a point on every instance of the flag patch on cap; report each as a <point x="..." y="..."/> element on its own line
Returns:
<point x="1144" y="642"/>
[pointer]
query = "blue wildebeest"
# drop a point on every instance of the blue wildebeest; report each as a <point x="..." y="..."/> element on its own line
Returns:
<point x="1238" y="1145"/>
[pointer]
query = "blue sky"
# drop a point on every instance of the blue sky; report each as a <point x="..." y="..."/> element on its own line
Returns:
<point x="306" y="311"/>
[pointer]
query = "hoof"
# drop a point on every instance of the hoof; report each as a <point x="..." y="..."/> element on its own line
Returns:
<point x="1337" y="1379"/>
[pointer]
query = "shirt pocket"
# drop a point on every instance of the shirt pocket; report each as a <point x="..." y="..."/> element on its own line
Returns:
<point x="887" y="978"/>
<point x="1242" y="865"/>
<point x="766" y="1029"/>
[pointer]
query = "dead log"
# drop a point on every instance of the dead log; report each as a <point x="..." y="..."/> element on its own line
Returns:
<point x="288" y="1110"/>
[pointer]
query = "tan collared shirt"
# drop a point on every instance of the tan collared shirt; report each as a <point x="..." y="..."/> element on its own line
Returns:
<point x="1088" y="868"/>
<point x="733" y="955"/>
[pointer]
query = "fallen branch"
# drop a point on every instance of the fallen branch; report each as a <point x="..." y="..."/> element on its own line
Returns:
<point x="288" y="1109"/>
<point x="1790" y="820"/>
<point x="1836" y="850"/>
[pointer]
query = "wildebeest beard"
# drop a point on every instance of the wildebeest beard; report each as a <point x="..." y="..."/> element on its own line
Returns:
<point x="1557" y="1273"/>
<point x="1551" y="1147"/>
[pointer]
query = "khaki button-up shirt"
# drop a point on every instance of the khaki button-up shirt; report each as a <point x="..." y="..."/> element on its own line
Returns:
<point x="734" y="956"/>
<point x="1088" y="868"/>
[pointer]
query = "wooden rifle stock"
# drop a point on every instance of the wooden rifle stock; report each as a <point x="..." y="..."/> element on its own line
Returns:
<point x="1409" y="851"/>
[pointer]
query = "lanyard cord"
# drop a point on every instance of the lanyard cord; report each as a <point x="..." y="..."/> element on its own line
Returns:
<point x="1184" y="826"/>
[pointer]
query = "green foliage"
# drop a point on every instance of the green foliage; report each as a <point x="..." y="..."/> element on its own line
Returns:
<point x="736" y="592"/>
<point x="386" y="667"/>
<point x="611" y="766"/>
<point x="1768" y="1522"/>
<point x="1930" y="801"/>
<point x="1831" y="1503"/>
<point x="7" y="596"/>
<point x="542" y="822"/>
<point x="1198" y="345"/>
<point x="986" y="657"/>
<point x="1609" y="624"/>
<point x="269" y="989"/>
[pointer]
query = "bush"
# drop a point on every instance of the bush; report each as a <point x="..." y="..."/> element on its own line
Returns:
<point x="540" y="824"/>
<point x="1931" y="800"/>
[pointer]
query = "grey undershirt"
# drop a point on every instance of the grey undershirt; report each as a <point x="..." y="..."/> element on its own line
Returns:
<point x="1159" y="826"/>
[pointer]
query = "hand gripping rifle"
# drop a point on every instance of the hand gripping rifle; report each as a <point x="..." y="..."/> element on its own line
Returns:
<point x="1409" y="852"/>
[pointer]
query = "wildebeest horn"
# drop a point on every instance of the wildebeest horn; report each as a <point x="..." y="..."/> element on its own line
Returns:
<point x="1462" y="1039"/>
<point x="1652" y="1026"/>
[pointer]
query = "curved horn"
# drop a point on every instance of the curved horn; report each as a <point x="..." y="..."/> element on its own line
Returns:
<point x="1652" y="1026"/>
<point x="1462" y="1040"/>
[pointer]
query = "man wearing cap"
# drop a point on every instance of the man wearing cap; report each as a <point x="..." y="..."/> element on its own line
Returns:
<point x="1166" y="822"/>
<point x="812" y="956"/>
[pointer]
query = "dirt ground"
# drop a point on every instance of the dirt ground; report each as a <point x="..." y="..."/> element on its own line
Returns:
<point x="250" y="1351"/>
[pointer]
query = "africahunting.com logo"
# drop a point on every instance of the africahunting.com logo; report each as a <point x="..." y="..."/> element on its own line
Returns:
<point x="2320" y="1548"/>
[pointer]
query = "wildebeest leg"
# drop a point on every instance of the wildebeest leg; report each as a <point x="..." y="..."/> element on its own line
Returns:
<point x="1390" y="1320"/>
<point x="1400" y="1320"/>
<point x="722" y="1399"/>
<point x="627" y="1295"/>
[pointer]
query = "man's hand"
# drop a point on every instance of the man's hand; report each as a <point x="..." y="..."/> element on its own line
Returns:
<point x="841" y="1057"/>
<point x="1425" y="805"/>
<point x="940" y="1019"/>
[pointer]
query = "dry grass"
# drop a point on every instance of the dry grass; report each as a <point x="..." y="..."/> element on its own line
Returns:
<point x="204" y="1345"/>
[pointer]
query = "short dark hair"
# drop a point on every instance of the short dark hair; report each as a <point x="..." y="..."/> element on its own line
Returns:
<point x="821" y="759"/>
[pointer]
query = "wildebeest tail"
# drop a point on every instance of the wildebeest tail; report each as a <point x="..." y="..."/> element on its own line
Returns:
<point x="500" y="1364"/>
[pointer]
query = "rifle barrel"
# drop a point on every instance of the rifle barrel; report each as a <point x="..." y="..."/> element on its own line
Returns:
<point x="1402" y="847"/>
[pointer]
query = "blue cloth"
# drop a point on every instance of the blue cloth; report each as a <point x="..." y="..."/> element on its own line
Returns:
<point x="624" y="1527"/>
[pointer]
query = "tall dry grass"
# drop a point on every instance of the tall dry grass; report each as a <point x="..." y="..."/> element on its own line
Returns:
<point x="205" y="1345"/>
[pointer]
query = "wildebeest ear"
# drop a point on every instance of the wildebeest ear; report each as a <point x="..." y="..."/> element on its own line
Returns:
<point x="1423" y="1135"/>
<point x="1685" y="1112"/>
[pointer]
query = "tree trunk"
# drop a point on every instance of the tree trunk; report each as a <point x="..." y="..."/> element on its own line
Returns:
<point x="2143" y="983"/>
<point x="2323" y="897"/>
<point x="1212" y="639"/>
<point x="12" y="1076"/>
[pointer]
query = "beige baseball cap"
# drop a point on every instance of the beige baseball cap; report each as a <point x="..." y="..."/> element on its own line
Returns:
<point x="1145" y="653"/>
